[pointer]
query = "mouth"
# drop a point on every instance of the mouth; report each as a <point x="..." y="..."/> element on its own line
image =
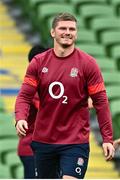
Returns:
<point x="67" y="37"/>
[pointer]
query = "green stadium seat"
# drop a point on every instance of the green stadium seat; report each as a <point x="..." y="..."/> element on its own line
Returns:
<point x="114" y="52"/>
<point x="106" y="64"/>
<point x="116" y="5"/>
<point x="80" y="22"/>
<point x="113" y="92"/>
<point x="115" y="110"/>
<point x="110" y="37"/>
<point x="77" y="3"/>
<point x="89" y="12"/>
<point x="5" y="117"/>
<point x="103" y="23"/>
<point x="2" y="108"/>
<point x="7" y="129"/>
<point x="95" y="49"/>
<point x="8" y="144"/>
<point x="47" y="10"/>
<point x="87" y="1"/>
<point x="5" y="172"/>
<point x="111" y="78"/>
<point x="11" y="159"/>
<point x="85" y="35"/>
<point x="31" y="5"/>
<point x="19" y="172"/>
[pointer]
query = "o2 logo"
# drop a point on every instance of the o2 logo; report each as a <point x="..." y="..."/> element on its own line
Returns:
<point x="65" y="98"/>
<point x="78" y="170"/>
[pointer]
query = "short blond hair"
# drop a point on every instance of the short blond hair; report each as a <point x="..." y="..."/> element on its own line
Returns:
<point x="63" y="17"/>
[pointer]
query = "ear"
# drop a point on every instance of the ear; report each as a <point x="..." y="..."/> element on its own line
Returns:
<point x="52" y="32"/>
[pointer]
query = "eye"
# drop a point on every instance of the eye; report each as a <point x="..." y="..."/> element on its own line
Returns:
<point x="62" y="28"/>
<point x="72" y="29"/>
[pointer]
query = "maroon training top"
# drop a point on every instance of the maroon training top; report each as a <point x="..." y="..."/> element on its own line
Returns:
<point x="64" y="85"/>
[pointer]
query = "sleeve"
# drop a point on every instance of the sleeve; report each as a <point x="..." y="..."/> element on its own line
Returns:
<point x="96" y="90"/>
<point x="27" y="92"/>
<point x="36" y="102"/>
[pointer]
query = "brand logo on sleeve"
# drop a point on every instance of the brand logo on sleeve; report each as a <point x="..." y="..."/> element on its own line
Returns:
<point x="45" y="70"/>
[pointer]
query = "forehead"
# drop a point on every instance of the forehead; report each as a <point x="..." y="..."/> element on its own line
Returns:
<point x="66" y="24"/>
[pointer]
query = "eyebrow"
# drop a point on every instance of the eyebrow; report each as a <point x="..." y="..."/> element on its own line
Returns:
<point x="64" y="27"/>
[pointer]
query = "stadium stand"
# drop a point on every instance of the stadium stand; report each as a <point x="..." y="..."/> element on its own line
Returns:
<point x="96" y="50"/>
<point x="113" y="92"/>
<point x="116" y="5"/>
<point x="99" y="27"/>
<point x="17" y="171"/>
<point x="11" y="158"/>
<point x="106" y="64"/>
<point x="7" y="145"/>
<point x="31" y="5"/>
<point x="2" y="105"/>
<point x="101" y="24"/>
<point x="4" y="171"/>
<point x="110" y="37"/>
<point x="116" y="117"/>
<point x="77" y="3"/>
<point x="111" y="78"/>
<point x="91" y="11"/>
<point x="114" y="52"/>
<point x="86" y="36"/>
<point x="94" y="10"/>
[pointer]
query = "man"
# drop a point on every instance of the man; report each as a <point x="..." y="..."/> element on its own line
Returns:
<point x="64" y="77"/>
<point x="24" y="149"/>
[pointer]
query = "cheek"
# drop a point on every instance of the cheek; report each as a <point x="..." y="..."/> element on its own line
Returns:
<point x="75" y="36"/>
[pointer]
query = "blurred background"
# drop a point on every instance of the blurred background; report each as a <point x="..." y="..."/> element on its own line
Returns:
<point x="24" y="23"/>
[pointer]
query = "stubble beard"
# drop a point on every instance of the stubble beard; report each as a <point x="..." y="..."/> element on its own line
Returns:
<point x="64" y="45"/>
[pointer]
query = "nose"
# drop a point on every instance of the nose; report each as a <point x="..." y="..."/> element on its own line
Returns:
<point x="67" y="31"/>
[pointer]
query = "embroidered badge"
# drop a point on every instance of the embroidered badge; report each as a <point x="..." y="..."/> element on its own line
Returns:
<point x="80" y="161"/>
<point x="74" y="72"/>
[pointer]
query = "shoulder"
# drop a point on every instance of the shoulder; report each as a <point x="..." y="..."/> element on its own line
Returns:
<point x="86" y="59"/>
<point x="43" y="55"/>
<point x="85" y="56"/>
<point x="40" y="58"/>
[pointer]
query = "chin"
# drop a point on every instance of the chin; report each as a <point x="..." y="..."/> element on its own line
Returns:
<point x="66" y="44"/>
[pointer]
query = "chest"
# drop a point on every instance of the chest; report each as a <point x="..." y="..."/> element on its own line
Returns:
<point x="70" y="74"/>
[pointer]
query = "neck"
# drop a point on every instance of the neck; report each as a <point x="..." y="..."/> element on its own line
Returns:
<point x="63" y="52"/>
